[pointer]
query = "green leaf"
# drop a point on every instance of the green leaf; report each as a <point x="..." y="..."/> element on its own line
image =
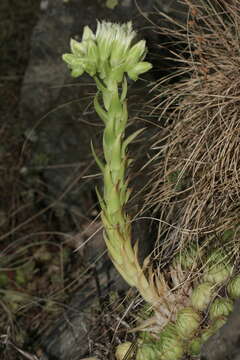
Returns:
<point x="100" y="85"/>
<point x="99" y="110"/>
<point x="107" y="99"/>
<point x="92" y="52"/>
<point x="129" y="139"/>
<point x="72" y="60"/>
<point x="138" y="69"/>
<point x="78" y="48"/>
<point x="108" y="183"/>
<point x="100" y="199"/>
<point x="87" y="34"/>
<point x="124" y="118"/>
<point x="220" y="307"/>
<point x="116" y="154"/>
<point x="77" y="72"/>
<point x="124" y="89"/>
<point x="98" y="161"/>
<point x="136" y="54"/>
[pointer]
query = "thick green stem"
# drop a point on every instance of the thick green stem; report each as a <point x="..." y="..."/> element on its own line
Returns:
<point x="116" y="223"/>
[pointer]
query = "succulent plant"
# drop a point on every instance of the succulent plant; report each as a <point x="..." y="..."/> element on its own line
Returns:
<point x="219" y="322"/>
<point x="187" y="322"/>
<point x="220" y="307"/>
<point x="207" y="333"/>
<point x="217" y="274"/>
<point x="147" y="351"/>
<point x="108" y="56"/>
<point x="188" y="258"/>
<point x="170" y="345"/>
<point x="201" y="296"/>
<point x="233" y="287"/>
<point x="218" y="267"/>
<point x="194" y="347"/>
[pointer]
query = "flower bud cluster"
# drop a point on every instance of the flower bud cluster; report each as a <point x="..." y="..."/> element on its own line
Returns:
<point x="108" y="54"/>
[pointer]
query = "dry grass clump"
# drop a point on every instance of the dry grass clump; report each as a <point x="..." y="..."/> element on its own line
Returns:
<point x="197" y="161"/>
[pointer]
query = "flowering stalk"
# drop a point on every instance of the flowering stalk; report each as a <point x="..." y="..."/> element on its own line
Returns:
<point x="108" y="56"/>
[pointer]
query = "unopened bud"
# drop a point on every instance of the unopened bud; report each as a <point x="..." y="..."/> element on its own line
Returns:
<point x="78" y="48"/>
<point x="138" y="69"/>
<point x="87" y="34"/>
<point x="135" y="54"/>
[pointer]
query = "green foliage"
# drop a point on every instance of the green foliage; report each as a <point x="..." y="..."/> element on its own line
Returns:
<point x="220" y="307"/>
<point x="202" y="295"/>
<point x="147" y="351"/>
<point x="170" y="345"/>
<point x="194" y="346"/>
<point x="218" y="267"/>
<point x="187" y="322"/>
<point x="233" y="287"/>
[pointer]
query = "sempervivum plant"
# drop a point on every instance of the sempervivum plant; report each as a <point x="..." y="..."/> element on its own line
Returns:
<point x="201" y="296"/>
<point x="220" y="307"/>
<point x="233" y="287"/>
<point x="108" y="56"/>
<point x="170" y="344"/>
<point x="218" y="267"/>
<point x="187" y="322"/>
